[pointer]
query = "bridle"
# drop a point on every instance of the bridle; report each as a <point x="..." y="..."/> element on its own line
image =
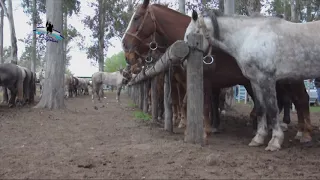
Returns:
<point x="153" y="45"/>
<point x="203" y="26"/>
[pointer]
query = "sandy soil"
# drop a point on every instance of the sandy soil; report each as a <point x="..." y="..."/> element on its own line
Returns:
<point x="83" y="142"/>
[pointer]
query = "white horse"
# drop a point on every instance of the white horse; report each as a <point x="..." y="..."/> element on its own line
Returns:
<point x="266" y="49"/>
<point x="111" y="79"/>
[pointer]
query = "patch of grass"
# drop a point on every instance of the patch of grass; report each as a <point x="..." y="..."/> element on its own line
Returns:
<point x="141" y="115"/>
<point x="132" y="105"/>
<point x="314" y="109"/>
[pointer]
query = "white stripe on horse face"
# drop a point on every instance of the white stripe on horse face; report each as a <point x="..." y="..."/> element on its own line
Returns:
<point x="129" y="25"/>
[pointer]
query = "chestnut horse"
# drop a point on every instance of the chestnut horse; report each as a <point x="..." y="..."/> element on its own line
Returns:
<point x="171" y="25"/>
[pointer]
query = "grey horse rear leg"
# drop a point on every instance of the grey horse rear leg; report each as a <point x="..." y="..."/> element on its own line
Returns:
<point x="119" y="87"/>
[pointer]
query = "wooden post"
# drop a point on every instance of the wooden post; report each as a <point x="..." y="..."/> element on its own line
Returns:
<point x="154" y="99"/>
<point x="145" y="97"/>
<point x="141" y="95"/>
<point x="195" y="130"/>
<point x="168" y="124"/>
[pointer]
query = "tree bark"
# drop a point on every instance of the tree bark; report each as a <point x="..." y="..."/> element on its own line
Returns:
<point x="229" y="7"/>
<point x="176" y="52"/>
<point x="195" y="131"/>
<point x="65" y="30"/>
<point x="1" y="33"/>
<point x="14" y="48"/>
<point x="53" y="92"/>
<point x="34" y="36"/>
<point x="101" y="34"/>
<point x="293" y="11"/>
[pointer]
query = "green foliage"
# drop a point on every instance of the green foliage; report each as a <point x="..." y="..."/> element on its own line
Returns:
<point x="141" y="115"/>
<point x="115" y="62"/>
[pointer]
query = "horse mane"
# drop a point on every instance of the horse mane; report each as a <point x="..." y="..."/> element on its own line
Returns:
<point x="167" y="9"/>
<point x="213" y="14"/>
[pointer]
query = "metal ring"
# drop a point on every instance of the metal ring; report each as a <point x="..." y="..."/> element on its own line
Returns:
<point x="204" y="58"/>
<point x="150" y="46"/>
<point x="148" y="61"/>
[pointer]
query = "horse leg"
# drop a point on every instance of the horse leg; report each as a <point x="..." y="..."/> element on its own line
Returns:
<point x="5" y="95"/>
<point x="265" y="95"/>
<point x="253" y="114"/>
<point x="283" y="104"/>
<point x="119" y="87"/>
<point x="215" y="111"/>
<point x="12" y="96"/>
<point x="20" y="92"/>
<point x="261" y="116"/>
<point x="300" y="99"/>
<point x="207" y="90"/>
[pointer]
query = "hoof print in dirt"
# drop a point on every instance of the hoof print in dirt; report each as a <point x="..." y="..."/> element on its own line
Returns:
<point x="87" y="166"/>
<point x="95" y="107"/>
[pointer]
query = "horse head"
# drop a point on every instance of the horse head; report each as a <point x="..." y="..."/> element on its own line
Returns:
<point x="141" y="27"/>
<point x="207" y="25"/>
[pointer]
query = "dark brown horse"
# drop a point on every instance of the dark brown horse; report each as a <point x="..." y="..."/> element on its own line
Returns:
<point x="171" y="25"/>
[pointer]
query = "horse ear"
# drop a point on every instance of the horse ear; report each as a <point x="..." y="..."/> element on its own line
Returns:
<point x="194" y="15"/>
<point x="146" y="3"/>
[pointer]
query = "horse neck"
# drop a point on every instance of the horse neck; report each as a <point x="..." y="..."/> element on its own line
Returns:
<point x="173" y="24"/>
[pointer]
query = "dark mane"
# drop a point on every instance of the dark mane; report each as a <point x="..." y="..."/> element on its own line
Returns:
<point x="213" y="14"/>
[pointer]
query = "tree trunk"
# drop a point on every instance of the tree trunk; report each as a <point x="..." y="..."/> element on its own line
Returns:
<point x="34" y="36"/>
<point x="101" y="34"/>
<point x="1" y="34"/>
<point x="53" y="92"/>
<point x="65" y="30"/>
<point x="293" y="11"/>
<point x="182" y="6"/>
<point x="229" y="7"/>
<point x="309" y="9"/>
<point x="14" y="47"/>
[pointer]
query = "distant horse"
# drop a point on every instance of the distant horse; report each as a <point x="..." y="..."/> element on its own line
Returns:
<point x="149" y="20"/>
<point x="68" y="85"/>
<point x="40" y="78"/>
<point x="106" y="78"/>
<point x="266" y="49"/>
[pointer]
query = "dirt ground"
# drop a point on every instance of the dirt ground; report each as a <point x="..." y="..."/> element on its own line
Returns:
<point x="108" y="143"/>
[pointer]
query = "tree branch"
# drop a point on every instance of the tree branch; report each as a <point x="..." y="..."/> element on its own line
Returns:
<point x="4" y="8"/>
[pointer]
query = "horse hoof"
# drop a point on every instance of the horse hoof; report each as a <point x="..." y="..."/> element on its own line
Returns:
<point x="274" y="144"/>
<point x="305" y="139"/>
<point x="284" y="127"/>
<point x="307" y="144"/>
<point x="10" y="105"/>
<point x="253" y="143"/>
<point x="181" y="126"/>
<point x="216" y="131"/>
<point x="298" y="135"/>
<point x="272" y="148"/>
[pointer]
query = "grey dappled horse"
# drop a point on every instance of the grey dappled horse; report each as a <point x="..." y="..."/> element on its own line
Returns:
<point x="267" y="49"/>
<point x="12" y="78"/>
<point x="106" y="78"/>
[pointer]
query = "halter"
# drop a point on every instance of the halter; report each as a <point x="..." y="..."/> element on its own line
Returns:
<point x="153" y="45"/>
<point x="203" y="26"/>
